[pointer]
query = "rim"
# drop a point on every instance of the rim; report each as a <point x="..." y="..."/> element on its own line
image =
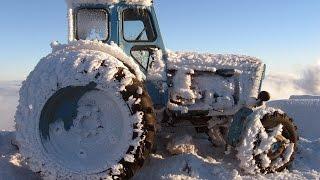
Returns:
<point x="278" y="148"/>
<point x="84" y="129"/>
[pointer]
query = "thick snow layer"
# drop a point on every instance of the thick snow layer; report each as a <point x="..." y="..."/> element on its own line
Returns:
<point x="305" y="113"/>
<point x="207" y="163"/>
<point x="196" y="84"/>
<point x="11" y="166"/>
<point x="87" y="137"/>
<point x="211" y="62"/>
<point x="182" y="145"/>
<point x="112" y="49"/>
<point x="75" y="3"/>
<point x="78" y="64"/>
<point x="157" y="70"/>
<point x="247" y="148"/>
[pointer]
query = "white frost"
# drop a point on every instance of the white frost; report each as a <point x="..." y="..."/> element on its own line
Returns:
<point x="75" y="3"/>
<point x="75" y="64"/>
<point x="247" y="149"/>
<point x="196" y="84"/>
<point x="140" y="90"/>
<point x="286" y="158"/>
<point x="182" y="145"/>
<point x="208" y="163"/>
<point x="157" y="71"/>
<point x="112" y="49"/>
<point x="181" y="91"/>
<point x="129" y="158"/>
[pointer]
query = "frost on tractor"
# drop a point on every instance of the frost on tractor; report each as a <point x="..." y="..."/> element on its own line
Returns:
<point x="207" y="81"/>
<point x="91" y="109"/>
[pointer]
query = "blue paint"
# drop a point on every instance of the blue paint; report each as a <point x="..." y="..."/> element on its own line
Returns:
<point x="238" y="126"/>
<point x="62" y="106"/>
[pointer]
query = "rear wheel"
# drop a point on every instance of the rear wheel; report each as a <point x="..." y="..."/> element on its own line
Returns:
<point x="83" y="117"/>
<point x="269" y="143"/>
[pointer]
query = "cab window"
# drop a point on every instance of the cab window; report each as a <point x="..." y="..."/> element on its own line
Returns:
<point x="92" y="24"/>
<point x="138" y="26"/>
<point x="143" y="55"/>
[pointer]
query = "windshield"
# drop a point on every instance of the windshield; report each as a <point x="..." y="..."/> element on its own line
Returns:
<point x="92" y="24"/>
<point x="138" y="25"/>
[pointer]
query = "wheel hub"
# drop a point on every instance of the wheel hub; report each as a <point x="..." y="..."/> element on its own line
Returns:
<point x="97" y="135"/>
<point x="278" y="148"/>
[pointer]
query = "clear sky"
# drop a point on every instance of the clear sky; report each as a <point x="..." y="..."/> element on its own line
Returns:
<point x="283" y="33"/>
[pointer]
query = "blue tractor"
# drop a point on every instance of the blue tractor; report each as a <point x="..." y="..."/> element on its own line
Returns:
<point x="91" y="108"/>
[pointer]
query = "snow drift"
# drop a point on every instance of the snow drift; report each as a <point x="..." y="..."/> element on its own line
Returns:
<point x="305" y="113"/>
<point x="207" y="163"/>
<point x="11" y="165"/>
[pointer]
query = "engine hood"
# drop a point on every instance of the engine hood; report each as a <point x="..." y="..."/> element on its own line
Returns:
<point x="212" y="81"/>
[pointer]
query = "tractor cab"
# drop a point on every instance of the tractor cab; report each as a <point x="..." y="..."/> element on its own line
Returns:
<point x="133" y="27"/>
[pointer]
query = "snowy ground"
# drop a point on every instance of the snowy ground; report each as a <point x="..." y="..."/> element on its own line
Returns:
<point x="204" y="163"/>
<point x="207" y="162"/>
<point x="11" y="167"/>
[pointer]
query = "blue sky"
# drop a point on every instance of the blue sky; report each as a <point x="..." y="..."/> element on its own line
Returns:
<point x="284" y="33"/>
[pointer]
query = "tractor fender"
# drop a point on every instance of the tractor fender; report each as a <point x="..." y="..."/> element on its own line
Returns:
<point x="112" y="49"/>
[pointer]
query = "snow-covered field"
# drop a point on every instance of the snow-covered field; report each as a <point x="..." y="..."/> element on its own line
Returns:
<point x="201" y="160"/>
<point x="207" y="162"/>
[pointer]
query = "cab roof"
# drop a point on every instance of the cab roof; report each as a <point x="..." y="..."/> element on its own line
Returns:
<point x="76" y="3"/>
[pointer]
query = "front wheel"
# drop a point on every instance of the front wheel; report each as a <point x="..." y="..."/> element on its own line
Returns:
<point x="84" y="115"/>
<point x="269" y="142"/>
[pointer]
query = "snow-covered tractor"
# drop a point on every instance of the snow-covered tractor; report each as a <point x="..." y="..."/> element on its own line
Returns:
<point x="91" y="108"/>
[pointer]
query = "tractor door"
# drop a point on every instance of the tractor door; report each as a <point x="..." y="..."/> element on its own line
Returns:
<point x="140" y="37"/>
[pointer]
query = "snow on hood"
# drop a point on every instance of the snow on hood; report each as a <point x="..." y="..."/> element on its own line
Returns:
<point x="249" y="70"/>
<point x="75" y="3"/>
<point x="212" y="62"/>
